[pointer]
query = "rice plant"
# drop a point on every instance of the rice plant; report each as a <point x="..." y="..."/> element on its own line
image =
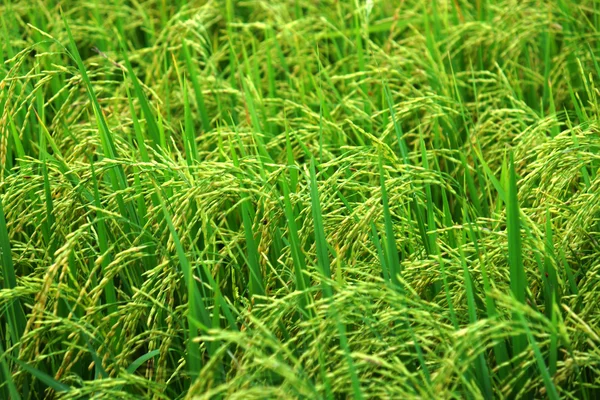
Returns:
<point x="218" y="199"/>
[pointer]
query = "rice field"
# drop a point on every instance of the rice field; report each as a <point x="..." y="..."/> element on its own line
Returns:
<point x="299" y="199"/>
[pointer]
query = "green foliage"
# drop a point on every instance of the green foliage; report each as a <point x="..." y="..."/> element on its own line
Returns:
<point x="299" y="199"/>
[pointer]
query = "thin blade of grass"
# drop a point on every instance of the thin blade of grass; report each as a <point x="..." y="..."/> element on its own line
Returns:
<point x="518" y="282"/>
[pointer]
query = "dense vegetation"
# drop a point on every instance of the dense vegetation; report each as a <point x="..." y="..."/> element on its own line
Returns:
<point x="299" y="199"/>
